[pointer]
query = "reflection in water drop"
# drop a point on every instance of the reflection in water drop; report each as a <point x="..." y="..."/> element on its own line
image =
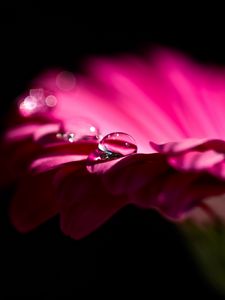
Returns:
<point x="112" y="146"/>
<point x="118" y="142"/>
<point x="38" y="101"/>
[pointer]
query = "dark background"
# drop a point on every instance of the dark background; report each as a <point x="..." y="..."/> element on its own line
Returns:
<point x="136" y="250"/>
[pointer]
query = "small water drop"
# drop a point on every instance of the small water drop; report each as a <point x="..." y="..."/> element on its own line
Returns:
<point x="119" y="143"/>
<point x="79" y="129"/>
<point x="83" y="129"/>
<point x="99" y="156"/>
<point x="112" y="146"/>
<point x="66" y="137"/>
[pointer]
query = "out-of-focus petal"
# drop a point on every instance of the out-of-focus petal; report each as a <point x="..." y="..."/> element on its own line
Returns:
<point x="198" y="104"/>
<point x="212" y="210"/>
<point x="20" y="132"/>
<point x="175" y="194"/>
<point x="86" y="204"/>
<point x="181" y="146"/>
<point x="194" y="160"/>
<point x="49" y="163"/>
<point x="218" y="170"/>
<point x="133" y="172"/>
<point x="189" y="144"/>
<point x="42" y="131"/>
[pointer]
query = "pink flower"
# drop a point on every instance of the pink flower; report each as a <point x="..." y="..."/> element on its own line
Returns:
<point x="166" y="108"/>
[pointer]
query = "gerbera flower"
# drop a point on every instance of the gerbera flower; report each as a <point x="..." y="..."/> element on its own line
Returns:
<point x="137" y="131"/>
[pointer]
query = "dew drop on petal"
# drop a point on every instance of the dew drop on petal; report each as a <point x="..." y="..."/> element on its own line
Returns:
<point x="99" y="156"/>
<point x="66" y="137"/>
<point x="71" y="137"/>
<point x="83" y="129"/>
<point x="112" y="146"/>
<point x="78" y="129"/>
<point x="118" y="142"/>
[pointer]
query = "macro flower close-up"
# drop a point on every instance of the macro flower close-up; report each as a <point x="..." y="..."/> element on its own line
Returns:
<point x="112" y="154"/>
<point x="146" y="131"/>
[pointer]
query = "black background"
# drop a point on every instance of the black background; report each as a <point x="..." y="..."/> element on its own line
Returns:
<point x="136" y="250"/>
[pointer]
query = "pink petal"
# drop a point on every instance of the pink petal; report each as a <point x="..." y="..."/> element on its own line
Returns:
<point x="85" y="204"/>
<point x="49" y="163"/>
<point x="203" y="192"/>
<point x="191" y="87"/>
<point x="133" y="172"/>
<point x="165" y="193"/>
<point x="100" y="167"/>
<point x="193" y="160"/>
<point x="178" y="193"/>
<point x="139" y="86"/>
<point x="175" y="147"/>
<point x="42" y="131"/>
<point x="20" y="132"/>
<point x="76" y="148"/>
<point x="218" y="170"/>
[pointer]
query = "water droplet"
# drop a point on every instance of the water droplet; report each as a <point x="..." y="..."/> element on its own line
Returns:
<point x="38" y="101"/>
<point x="82" y="128"/>
<point x="79" y="129"/>
<point x="118" y="143"/>
<point x="66" y="137"/>
<point x="99" y="156"/>
<point x="92" y="129"/>
<point x="112" y="146"/>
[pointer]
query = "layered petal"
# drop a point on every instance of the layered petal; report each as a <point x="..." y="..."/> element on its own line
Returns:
<point x="85" y="204"/>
